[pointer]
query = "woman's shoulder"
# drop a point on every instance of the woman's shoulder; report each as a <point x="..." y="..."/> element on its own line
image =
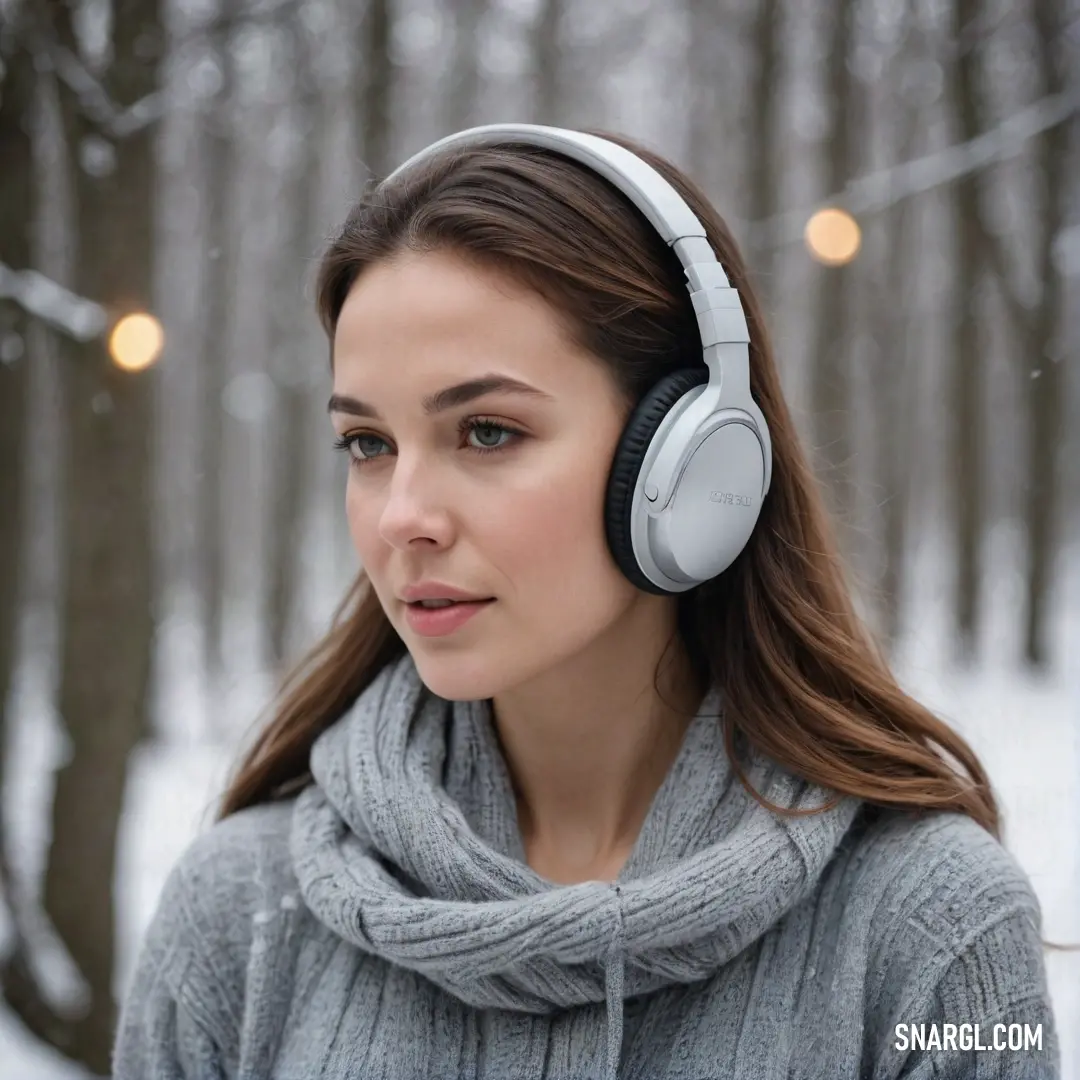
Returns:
<point x="940" y="871"/>
<point x="948" y="926"/>
<point x="231" y="896"/>
<point x="946" y="922"/>
<point x="248" y="847"/>
<point x="230" y="879"/>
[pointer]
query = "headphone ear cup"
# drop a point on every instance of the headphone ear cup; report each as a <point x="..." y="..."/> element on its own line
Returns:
<point x="643" y="424"/>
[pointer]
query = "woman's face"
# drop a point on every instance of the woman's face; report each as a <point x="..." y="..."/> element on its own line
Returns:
<point x="498" y="495"/>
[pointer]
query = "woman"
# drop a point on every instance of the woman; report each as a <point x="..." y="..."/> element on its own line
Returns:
<point x="643" y="801"/>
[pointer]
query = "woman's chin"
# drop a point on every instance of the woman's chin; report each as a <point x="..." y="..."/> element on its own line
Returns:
<point x="455" y="678"/>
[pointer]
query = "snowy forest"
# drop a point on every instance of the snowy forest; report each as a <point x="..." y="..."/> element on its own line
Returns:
<point x="903" y="177"/>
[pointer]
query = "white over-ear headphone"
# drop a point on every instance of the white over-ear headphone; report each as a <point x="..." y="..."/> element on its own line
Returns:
<point x="694" y="461"/>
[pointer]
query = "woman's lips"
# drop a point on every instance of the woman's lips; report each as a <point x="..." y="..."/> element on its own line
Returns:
<point x="440" y="621"/>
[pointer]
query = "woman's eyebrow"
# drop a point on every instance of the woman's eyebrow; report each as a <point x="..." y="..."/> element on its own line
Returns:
<point x="447" y="398"/>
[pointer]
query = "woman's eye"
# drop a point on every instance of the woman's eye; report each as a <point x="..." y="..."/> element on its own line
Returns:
<point x="488" y="435"/>
<point x="363" y="447"/>
<point x="360" y="448"/>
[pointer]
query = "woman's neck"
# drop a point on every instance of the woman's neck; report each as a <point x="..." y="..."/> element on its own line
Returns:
<point x="588" y="748"/>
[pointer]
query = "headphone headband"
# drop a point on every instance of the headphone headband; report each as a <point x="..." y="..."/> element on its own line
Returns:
<point x="717" y="306"/>
<point x="637" y="179"/>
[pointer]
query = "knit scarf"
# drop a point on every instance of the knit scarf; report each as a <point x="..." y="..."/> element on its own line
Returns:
<point x="407" y="845"/>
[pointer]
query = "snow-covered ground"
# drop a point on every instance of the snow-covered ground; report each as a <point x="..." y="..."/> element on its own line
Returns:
<point x="1026" y="730"/>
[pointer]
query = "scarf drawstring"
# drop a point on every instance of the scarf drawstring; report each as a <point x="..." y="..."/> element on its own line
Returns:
<point x="614" y="970"/>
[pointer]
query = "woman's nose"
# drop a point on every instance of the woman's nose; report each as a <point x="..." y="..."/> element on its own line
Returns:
<point x="415" y="506"/>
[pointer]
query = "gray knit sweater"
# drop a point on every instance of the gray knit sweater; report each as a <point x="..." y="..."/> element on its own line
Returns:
<point x="385" y="924"/>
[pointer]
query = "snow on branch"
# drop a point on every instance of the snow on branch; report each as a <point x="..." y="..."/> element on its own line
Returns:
<point x="94" y="100"/>
<point x="76" y="316"/>
<point x="884" y="188"/>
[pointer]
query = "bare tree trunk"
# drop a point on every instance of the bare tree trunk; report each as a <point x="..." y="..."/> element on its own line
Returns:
<point x="966" y="382"/>
<point x="376" y="87"/>
<point x="294" y="465"/>
<point x="107" y="615"/>
<point x="213" y="349"/>
<point x="1041" y="350"/>
<point x="464" y="91"/>
<point x="894" y="402"/>
<point x="830" y="388"/>
<point x="764" y="178"/>
<point x="547" y="61"/>
<point x="16" y="215"/>
<point x="1045" y="350"/>
<point x="705" y="118"/>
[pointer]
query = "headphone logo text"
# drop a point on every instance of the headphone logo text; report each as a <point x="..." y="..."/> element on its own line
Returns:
<point x="729" y="498"/>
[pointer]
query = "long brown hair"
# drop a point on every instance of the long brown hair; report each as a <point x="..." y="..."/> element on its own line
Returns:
<point x="802" y="679"/>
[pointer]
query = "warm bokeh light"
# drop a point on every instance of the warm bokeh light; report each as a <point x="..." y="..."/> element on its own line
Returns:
<point x="136" y="341"/>
<point x="833" y="236"/>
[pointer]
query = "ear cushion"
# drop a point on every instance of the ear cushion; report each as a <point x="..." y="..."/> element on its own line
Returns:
<point x="626" y="465"/>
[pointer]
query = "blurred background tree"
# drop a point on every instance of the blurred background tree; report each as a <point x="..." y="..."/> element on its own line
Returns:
<point x="901" y="174"/>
